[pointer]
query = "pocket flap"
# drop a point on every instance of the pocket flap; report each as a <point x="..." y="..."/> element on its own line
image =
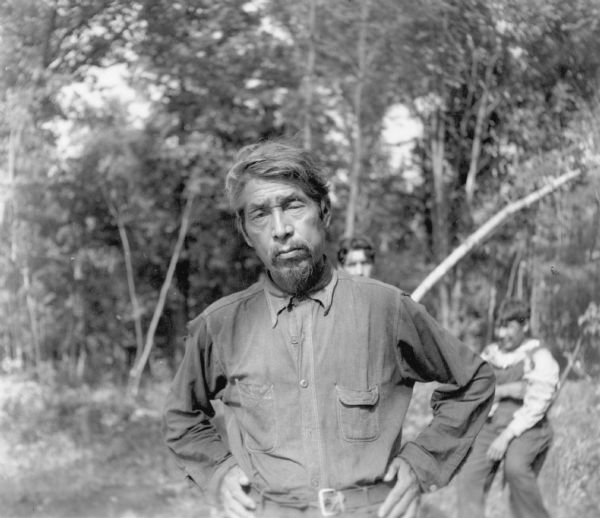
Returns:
<point x="357" y="397"/>
<point x="255" y="391"/>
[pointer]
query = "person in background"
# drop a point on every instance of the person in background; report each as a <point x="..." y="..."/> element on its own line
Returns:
<point x="356" y="255"/>
<point x="517" y="430"/>
<point x="315" y="369"/>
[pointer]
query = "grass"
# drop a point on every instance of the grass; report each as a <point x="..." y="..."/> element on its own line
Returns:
<point x="76" y="452"/>
<point x="70" y="452"/>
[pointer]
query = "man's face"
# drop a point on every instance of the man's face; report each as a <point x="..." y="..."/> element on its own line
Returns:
<point x="511" y="334"/>
<point x="357" y="263"/>
<point x="286" y="228"/>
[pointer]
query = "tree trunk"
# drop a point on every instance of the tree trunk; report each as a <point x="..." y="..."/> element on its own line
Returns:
<point x="137" y="313"/>
<point x="309" y="76"/>
<point x="135" y="375"/>
<point x="482" y="113"/>
<point x="33" y="320"/>
<point x="489" y="333"/>
<point x="512" y="277"/>
<point x="482" y="232"/>
<point x="455" y="303"/>
<point x="357" y="155"/>
<point x="7" y="218"/>
<point x="440" y="230"/>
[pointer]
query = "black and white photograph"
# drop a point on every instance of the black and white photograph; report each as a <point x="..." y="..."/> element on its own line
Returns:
<point x="299" y="259"/>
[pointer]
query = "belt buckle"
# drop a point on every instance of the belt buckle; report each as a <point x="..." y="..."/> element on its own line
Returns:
<point x="331" y="502"/>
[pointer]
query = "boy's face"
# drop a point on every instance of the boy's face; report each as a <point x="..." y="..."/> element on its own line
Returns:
<point x="357" y="263"/>
<point x="511" y="334"/>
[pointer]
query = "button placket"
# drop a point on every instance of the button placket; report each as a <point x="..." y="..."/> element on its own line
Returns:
<point x="300" y="333"/>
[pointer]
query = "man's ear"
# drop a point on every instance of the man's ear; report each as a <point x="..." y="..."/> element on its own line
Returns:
<point x="246" y="238"/>
<point x="326" y="211"/>
<point x="242" y="228"/>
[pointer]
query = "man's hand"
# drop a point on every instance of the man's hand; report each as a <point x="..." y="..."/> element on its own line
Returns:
<point x="236" y="502"/>
<point x="498" y="448"/>
<point x="403" y="500"/>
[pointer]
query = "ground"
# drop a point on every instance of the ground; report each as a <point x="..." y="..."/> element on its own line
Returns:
<point x="78" y="452"/>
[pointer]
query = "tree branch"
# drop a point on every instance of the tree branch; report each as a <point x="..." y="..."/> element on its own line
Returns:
<point x="482" y="232"/>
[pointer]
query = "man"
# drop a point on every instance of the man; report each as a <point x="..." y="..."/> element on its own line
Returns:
<point x="517" y="429"/>
<point x="356" y="255"/>
<point x="315" y="369"/>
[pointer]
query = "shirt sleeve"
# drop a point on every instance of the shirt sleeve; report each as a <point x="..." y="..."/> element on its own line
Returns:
<point x="427" y="352"/>
<point x="541" y="385"/>
<point x="189" y="433"/>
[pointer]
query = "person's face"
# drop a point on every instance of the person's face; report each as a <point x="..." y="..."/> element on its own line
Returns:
<point x="286" y="228"/>
<point x="511" y="334"/>
<point x="357" y="263"/>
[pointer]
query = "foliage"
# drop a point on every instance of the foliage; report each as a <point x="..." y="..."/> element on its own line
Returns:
<point x="504" y="93"/>
<point x="590" y="325"/>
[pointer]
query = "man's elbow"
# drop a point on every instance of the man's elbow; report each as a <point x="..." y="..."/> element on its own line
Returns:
<point x="173" y="429"/>
<point x="484" y="383"/>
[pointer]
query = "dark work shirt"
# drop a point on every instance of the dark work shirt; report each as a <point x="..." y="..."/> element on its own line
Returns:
<point x="315" y="390"/>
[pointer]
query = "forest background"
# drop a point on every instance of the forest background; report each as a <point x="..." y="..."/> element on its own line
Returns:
<point x="460" y="129"/>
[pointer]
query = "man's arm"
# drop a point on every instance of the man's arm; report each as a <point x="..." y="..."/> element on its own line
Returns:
<point x="189" y="433"/>
<point x="427" y="352"/>
<point x="541" y="383"/>
<point x="513" y="390"/>
<point x="539" y="387"/>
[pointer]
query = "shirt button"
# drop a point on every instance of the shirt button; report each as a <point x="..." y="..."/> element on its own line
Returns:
<point x="433" y="487"/>
<point x="303" y="383"/>
<point x="294" y="340"/>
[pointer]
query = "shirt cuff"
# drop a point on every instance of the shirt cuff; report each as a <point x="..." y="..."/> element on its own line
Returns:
<point x="423" y="464"/>
<point x="515" y="429"/>
<point x="214" y="484"/>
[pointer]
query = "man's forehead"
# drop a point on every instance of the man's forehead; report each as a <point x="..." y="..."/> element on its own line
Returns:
<point x="357" y="254"/>
<point x="260" y="192"/>
<point x="513" y="322"/>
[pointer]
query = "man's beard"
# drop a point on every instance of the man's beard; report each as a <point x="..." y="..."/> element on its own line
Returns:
<point x="298" y="275"/>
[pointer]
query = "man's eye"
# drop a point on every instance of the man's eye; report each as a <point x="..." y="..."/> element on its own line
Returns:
<point x="295" y="205"/>
<point x="258" y="216"/>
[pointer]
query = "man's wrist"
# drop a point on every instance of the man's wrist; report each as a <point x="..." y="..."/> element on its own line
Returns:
<point x="214" y="484"/>
<point x="422" y="467"/>
<point x="507" y="434"/>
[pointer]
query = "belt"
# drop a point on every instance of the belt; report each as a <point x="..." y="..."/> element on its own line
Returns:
<point x="332" y="502"/>
<point x="335" y="501"/>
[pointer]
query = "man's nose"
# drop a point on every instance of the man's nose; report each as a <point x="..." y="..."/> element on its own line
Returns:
<point x="281" y="228"/>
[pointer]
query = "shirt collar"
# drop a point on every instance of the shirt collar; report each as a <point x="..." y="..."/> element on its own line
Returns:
<point x="278" y="300"/>
<point x="521" y="352"/>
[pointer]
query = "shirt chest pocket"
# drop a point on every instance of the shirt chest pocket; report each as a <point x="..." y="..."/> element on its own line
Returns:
<point x="257" y="416"/>
<point x="358" y="413"/>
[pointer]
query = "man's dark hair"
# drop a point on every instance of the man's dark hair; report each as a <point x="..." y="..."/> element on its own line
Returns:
<point x="514" y="309"/>
<point x="276" y="160"/>
<point x="355" y="243"/>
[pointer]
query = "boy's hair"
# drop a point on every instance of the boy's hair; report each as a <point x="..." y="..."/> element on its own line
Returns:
<point x="275" y="160"/>
<point x="355" y="243"/>
<point x="514" y="309"/>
